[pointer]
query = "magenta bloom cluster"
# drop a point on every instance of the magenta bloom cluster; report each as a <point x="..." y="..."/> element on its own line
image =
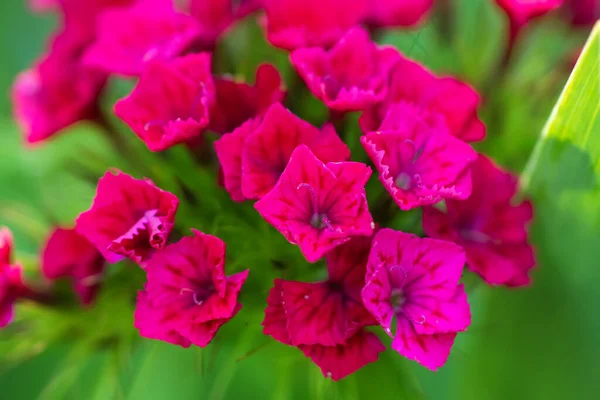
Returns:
<point x="417" y="130"/>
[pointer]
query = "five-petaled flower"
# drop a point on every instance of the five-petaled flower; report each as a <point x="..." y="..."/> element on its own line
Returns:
<point x="318" y="206"/>
<point x="69" y="255"/>
<point x="415" y="281"/>
<point x="450" y="100"/>
<point x="171" y="101"/>
<point x="490" y="226"/>
<point x="254" y="156"/>
<point x="129" y="218"/>
<point x="352" y="76"/>
<point x="419" y="164"/>
<point x="188" y="297"/>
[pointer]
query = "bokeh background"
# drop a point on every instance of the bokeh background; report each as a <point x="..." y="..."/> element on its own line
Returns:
<point x="541" y="342"/>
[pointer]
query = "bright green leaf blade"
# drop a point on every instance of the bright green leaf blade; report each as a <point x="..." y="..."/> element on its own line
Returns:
<point x="553" y="325"/>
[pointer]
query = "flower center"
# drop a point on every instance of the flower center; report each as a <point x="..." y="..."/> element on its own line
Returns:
<point x="318" y="221"/>
<point x="403" y="181"/>
<point x="397" y="299"/>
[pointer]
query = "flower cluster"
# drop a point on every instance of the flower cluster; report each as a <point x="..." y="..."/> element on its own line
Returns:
<point x="416" y="130"/>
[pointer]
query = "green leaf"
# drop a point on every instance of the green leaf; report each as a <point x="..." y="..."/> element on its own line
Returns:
<point x="553" y="325"/>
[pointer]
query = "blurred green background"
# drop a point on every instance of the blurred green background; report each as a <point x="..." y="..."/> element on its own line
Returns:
<point x="535" y="343"/>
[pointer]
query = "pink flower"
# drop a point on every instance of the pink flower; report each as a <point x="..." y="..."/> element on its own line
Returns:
<point x="452" y="101"/>
<point x="416" y="281"/>
<point x="254" y="155"/>
<point x="352" y="76"/>
<point x="11" y="283"/>
<point x="521" y="12"/>
<point x="128" y="38"/>
<point x="171" y="101"/>
<point x="237" y="102"/>
<point x="188" y="297"/>
<point x="57" y="91"/>
<point x="129" y="218"/>
<point x="318" y="206"/>
<point x="390" y="13"/>
<point x="420" y="165"/>
<point x="584" y="12"/>
<point x="67" y="254"/>
<point x="6" y="245"/>
<point x="490" y="226"/>
<point x="330" y="312"/>
<point x="216" y="16"/>
<point x="293" y="24"/>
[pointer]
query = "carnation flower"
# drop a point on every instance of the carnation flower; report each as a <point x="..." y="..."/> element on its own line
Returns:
<point x="490" y="225"/>
<point x="188" y="297"/>
<point x="171" y="101"/>
<point x="68" y="254"/>
<point x="391" y="13"/>
<point x="352" y="76"/>
<point x="451" y="100"/>
<point x="255" y="155"/>
<point x="415" y="281"/>
<point x="419" y="164"/>
<point x="318" y="206"/>
<point x="293" y="24"/>
<point x="129" y="218"/>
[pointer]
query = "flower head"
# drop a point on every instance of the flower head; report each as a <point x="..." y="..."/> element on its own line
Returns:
<point x="130" y="37"/>
<point x="489" y="225"/>
<point x="352" y="76"/>
<point x="419" y="164"/>
<point x="57" y="91"/>
<point x="237" y="102"/>
<point x="318" y="206"/>
<point x="188" y="297"/>
<point x="415" y="281"/>
<point x="254" y="156"/>
<point x="11" y="283"/>
<point x="390" y="13"/>
<point x="521" y="12"/>
<point x="129" y="218"/>
<point x="452" y="101"/>
<point x="583" y="12"/>
<point x="68" y="254"/>
<point x="293" y="24"/>
<point x="171" y="101"/>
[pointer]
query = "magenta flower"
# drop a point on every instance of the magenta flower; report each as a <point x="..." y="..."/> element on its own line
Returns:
<point x="128" y="38"/>
<point x="187" y="84"/>
<point x="352" y="76"/>
<point x="391" y="13"/>
<point x="318" y="206"/>
<point x="520" y="12"/>
<point x="57" y="91"/>
<point x="490" y="226"/>
<point x="326" y="313"/>
<point x="420" y="165"/>
<point x="6" y="245"/>
<point x="293" y="24"/>
<point x="68" y="254"/>
<point x="450" y="100"/>
<point x="254" y="156"/>
<point x="416" y="281"/>
<point x="583" y="12"/>
<point x="129" y="218"/>
<point x="335" y="361"/>
<point x="188" y="297"/>
<point x="238" y="102"/>
<point x="11" y="283"/>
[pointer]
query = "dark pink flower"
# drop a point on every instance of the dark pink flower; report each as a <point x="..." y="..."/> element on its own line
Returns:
<point x="171" y="101"/>
<point x="521" y="12"/>
<point x="68" y="254"/>
<point x="11" y="282"/>
<point x="256" y="154"/>
<point x="129" y="218"/>
<point x="318" y="206"/>
<point x="583" y="12"/>
<point x="57" y="91"/>
<point x="330" y="312"/>
<point x="390" y="13"/>
<point x="188" y="297"/>
<point x="293" y="24"/>
<point x="449" y="99"/>
<point x="128" y="38"/>
<point x="416" y="281"/>
<point x="490" y="226"/>
<point x="237" y="102"/>
<point x="352" y="76"/>
<point x="420" y="165"/>
<point x="6" y="245"/>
